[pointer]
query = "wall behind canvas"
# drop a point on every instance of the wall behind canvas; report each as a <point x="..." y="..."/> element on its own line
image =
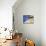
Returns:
<point x="30" y="31"/>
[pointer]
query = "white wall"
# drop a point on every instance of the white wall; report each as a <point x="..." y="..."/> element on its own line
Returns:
<point x="43" y="22"/>
<point x="31" y="31"/>
<point x="6" y="13"/>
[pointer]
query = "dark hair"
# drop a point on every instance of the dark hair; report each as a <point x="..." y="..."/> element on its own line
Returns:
<point x="34" y="44"/>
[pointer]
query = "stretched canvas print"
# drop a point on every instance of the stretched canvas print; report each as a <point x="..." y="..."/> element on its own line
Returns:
<point x="28" y="19"/>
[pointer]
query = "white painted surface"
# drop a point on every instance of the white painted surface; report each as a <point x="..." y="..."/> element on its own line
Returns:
<point x="6" y="16"/>
<point x="30" y="31"/>
<point x="6" y="13"/>
<point x="36" y="31"/>
<point x="43" y="22"/>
